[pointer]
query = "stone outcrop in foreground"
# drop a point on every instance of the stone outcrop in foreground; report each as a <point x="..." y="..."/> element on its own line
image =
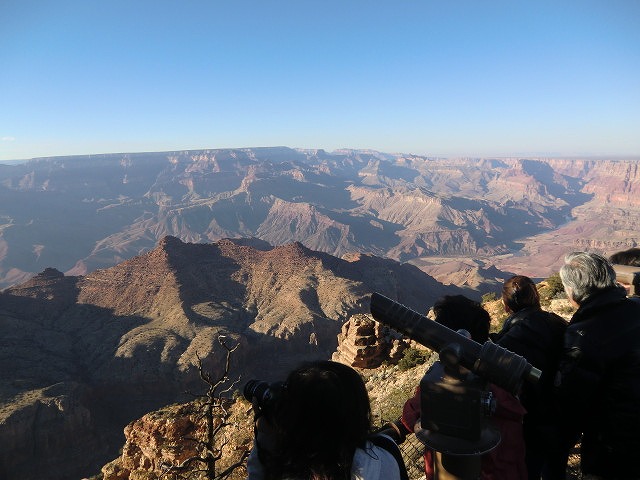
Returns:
<point x="167" y="438"/>
<point x="365" y="343"/>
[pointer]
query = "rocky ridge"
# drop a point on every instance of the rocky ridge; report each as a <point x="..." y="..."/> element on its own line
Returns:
<point x="82" y="356"/>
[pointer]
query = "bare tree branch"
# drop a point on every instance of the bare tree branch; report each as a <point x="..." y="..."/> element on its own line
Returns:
<point x="229" y="470"/>
<point x="215" y="414"/>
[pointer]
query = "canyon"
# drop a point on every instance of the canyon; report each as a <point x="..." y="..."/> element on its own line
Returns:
<point x="119" y="272"/>
<point x="468" y="221"/>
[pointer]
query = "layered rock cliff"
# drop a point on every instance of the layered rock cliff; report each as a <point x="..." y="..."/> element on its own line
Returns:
<point x="96" y="211"/>
<point x="365" y="343"/>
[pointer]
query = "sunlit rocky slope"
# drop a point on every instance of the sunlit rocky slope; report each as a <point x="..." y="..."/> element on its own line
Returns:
<point x="81" y="356"/>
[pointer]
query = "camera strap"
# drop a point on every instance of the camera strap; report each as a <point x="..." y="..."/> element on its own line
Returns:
<point x="390" y="446"/>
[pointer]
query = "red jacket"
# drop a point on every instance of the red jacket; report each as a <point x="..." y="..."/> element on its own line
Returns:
<point x="504" y="462"/>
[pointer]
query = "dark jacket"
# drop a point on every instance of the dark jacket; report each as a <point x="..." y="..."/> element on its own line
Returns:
<point x="538" y="336"/>
<point x="599" y="385"/>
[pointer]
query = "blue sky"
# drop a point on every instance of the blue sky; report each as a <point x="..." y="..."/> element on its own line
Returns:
<point x="446" y="77"/>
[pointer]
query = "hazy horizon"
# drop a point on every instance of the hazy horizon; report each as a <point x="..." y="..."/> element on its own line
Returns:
<point x="470" y="79"/>
<point x="515" y="155"/>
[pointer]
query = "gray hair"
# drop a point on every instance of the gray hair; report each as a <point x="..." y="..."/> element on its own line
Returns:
<point x="586" y="273"/>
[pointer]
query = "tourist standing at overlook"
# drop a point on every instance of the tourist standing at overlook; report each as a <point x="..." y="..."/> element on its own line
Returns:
<point x="599" y="374"/>
<point x="319" y="426"/>
<point x="536" y="335"/>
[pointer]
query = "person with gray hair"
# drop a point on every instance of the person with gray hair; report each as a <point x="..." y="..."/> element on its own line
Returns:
<point x="584" y="274"/>
<point x="599" y="374"/>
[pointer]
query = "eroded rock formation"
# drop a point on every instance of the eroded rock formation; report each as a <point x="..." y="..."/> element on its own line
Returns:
<point x="365" y="343"/>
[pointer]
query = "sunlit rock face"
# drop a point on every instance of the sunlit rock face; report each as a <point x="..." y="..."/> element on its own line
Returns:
<point x="365" y="343"/>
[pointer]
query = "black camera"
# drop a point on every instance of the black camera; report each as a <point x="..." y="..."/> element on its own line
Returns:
<point x="264" y="395"/>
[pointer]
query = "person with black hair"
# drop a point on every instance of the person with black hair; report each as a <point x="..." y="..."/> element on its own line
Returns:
<point x="537" y="336"/>
<point x="599" y="373"/>
<point x="507" y="460"/>
<point x="320" y="429"/>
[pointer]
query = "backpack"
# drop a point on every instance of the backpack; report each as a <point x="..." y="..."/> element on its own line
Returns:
<point x="390" y="446"/>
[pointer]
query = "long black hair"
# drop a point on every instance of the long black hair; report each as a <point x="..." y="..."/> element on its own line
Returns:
<point x="322" y="417"/>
